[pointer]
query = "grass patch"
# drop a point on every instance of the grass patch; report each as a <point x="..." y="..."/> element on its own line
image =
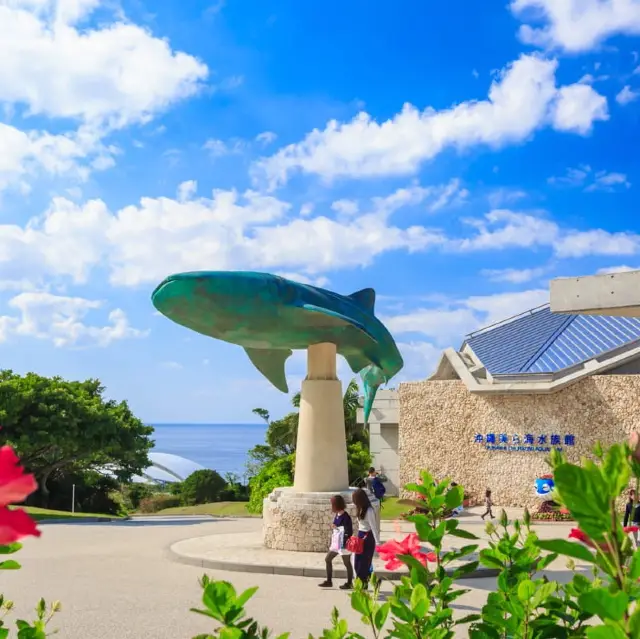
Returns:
<point x="218" y="509"/>
<point x="41" y="514"/>
<point x="392" y="510"/>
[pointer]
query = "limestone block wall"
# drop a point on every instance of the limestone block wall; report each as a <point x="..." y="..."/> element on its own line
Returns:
<point x="439" y="420"/>
<point x="301" y="522"/>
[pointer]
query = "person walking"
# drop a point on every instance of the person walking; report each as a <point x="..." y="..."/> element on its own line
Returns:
<point x="632" y="513"/>
<point x="368" y="532"/>
<point x="489" y="504"/>
<point x="342" y="530"/>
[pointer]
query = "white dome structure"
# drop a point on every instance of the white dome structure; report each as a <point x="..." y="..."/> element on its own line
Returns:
<point x="165" y="469"/>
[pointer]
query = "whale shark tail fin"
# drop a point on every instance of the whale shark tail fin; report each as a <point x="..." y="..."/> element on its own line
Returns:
<point x="372" y="378"/>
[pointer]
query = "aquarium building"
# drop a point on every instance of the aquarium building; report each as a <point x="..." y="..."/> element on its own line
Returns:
<point x="493" y="409"/>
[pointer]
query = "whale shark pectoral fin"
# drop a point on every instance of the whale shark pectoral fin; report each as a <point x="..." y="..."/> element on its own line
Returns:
<point x="366" y="299"/>
<point x="356" y="361"/>
<point x="339" y="316"/>
<point x="270" y="362"/>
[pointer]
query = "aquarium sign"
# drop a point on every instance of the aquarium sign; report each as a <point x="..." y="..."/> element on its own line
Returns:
<point x="528" y="443"/>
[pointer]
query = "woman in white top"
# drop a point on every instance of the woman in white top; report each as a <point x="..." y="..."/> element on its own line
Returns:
<point x="368" y="531"/>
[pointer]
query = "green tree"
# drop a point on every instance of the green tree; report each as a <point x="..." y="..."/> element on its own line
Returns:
<point x="202" y="487"/>
<point x="282" y="433"/>
<point x="59" y="426"/>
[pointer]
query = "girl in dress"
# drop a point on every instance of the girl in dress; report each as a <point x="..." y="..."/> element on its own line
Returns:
<point x="341" y="520"/>
<point x="367" y="531"/>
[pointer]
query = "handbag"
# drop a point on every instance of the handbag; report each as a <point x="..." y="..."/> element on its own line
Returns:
<point x="337" y="537"/>
<point x="355" y="544"/>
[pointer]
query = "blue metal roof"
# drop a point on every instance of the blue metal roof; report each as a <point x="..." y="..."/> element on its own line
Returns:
<point x="544" y="342"/>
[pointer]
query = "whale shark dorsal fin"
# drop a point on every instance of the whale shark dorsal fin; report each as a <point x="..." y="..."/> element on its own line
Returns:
<point x="270" y="362"/>
<point x="366" y="298"/>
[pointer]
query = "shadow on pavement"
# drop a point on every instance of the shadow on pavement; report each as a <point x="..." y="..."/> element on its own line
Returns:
<point x="135" y="523"/>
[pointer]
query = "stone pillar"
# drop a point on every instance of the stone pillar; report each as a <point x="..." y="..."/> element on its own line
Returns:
<point x="321" y="450"/>
<point x="299" y="518"/>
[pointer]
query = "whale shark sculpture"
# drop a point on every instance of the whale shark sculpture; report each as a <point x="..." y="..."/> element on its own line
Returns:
<point x="270" y="316"/>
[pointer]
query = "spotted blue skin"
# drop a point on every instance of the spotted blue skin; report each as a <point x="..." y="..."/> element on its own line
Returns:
<point x="270" y="316"/>
<point x="544" y="487"/>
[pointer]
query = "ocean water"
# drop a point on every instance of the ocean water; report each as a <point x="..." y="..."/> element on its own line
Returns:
<point x="222" y="447"/>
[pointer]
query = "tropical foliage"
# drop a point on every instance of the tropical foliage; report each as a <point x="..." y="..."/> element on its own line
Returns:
<point x="61" y="428"/>
<point x="599" y="603"/>
<point x="271" y="465"/>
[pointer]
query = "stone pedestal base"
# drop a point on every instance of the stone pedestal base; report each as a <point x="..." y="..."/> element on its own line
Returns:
<point x="298" y="521"/>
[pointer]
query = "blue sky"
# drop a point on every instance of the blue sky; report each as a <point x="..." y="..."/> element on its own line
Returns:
<point x="455" y="157"/>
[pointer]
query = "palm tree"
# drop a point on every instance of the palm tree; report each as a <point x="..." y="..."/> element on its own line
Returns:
<point x="351" y="403"/>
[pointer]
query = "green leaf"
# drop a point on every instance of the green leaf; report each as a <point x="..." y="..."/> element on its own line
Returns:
<point x="465" y="569"/>
<point x="9" y="565"/>
<point x="245" y="596"/>
<point x="605" y="604"/>
<point x="567" y="548"/>
<point x="488" y="558"/>
<point x="463" y="534"/>
<point x="361" y="603"/>
<point x="418" y="595"/>
<point x="9" y="549"/>
<point x="634" y="566"/>
<point x="526" y="590"/>
<point x="586" y="495"/>
<point x="605" y="632"/>
<point x="454" y="497"/>
<point x="381" y="615"/>
<point x="615" y="469"/>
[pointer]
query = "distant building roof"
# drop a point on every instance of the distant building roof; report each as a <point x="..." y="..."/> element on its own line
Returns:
<point x="165" y="468"/>
<point x="543" y="342"/>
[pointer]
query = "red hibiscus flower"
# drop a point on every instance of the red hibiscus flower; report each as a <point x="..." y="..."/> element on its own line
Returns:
<point x="15" y="486"/>
<point x="15" y="524"/>
<point x="631" y="529"/>
<point x="578" y="534"/>
<point x="410" y="545"/>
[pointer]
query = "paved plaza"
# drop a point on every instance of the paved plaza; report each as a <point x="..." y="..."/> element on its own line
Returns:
<point x="119" y="580"/>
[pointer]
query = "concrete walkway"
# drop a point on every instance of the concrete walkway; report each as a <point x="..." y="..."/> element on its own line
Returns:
<point x="116" y="580"/>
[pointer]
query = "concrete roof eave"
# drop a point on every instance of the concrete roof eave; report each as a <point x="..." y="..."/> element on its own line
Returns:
<point x="529" y="385"/>
<point x="615" y="294"/>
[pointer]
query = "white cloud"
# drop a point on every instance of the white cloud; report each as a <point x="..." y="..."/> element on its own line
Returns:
<point x="507" y="229"/>
<point x="142" y="243"/>
<point x="30" y="153"/>
<point x="584" y="176"/>
<point x="522" y="99"/>
<point x="345" y="207"/>
<point x="577" y="107"/>
<point x="420" y="360"/>
<point x="576" y="25"/>
<point x="608" y="181"/>
<point x="447" y="324"/>
<point x="303" y="279"/>
<point x="514" y="275"/>
<point x="176" y="366"/>
<point x="218" y="148"/>
<point x="442" y="325"/>
<point x="60" y="320"/>
<point x="187" y="190"/>
<point x="627" y="95"/>
<point x="266" y="137"/>
<point x="115" y="74"/>
<point x="617" y="269"/>
<point x="597" y="242"/>
<point x="503" y="229"/>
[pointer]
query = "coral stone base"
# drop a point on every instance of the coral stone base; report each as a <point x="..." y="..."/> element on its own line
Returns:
<point x="298" y="521"/>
